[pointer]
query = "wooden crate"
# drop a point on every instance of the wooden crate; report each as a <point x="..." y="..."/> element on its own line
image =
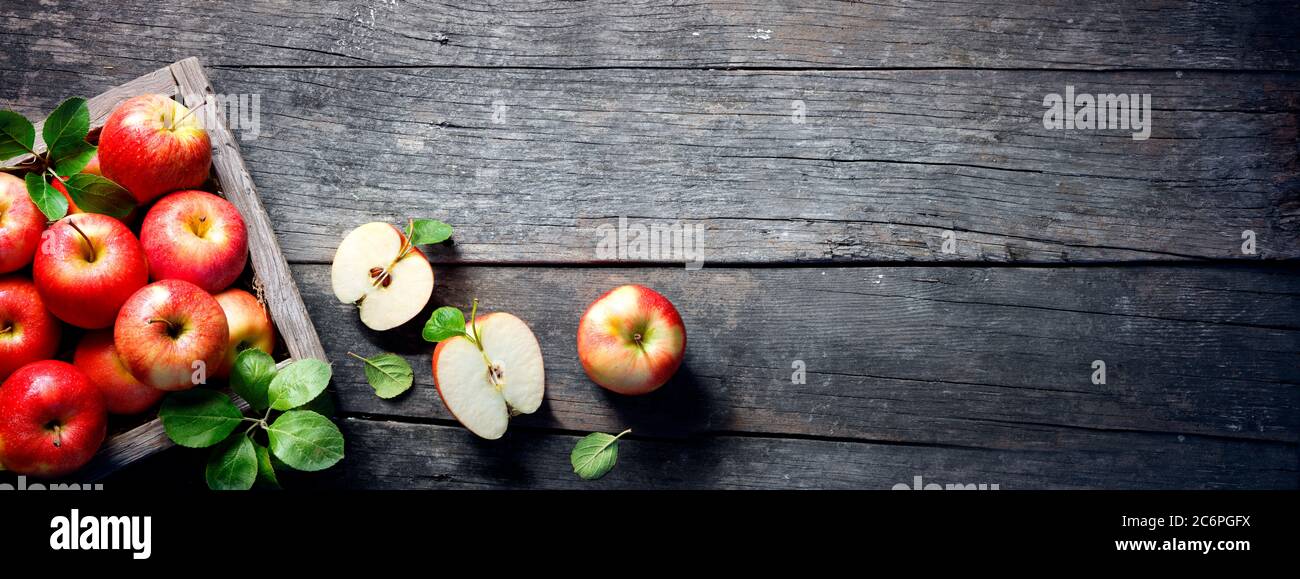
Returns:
<point x="269" y="272"/>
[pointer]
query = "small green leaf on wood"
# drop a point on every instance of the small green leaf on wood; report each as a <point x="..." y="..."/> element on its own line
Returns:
<point x="198" y="418"/>
<point x="446" y="322"/>
<point x="595" y="454"/>
<point x="298" y="383"/>
<point x="95" y="194"/>
<point x="388" y="374"/>
<point x="49" y="200"/>
<point x="251" y="376"/>
<point x="232" y="466"/>
<point x="17" y="135"/>
<point x="428" y="232"/>
<point x="305" y="440"/>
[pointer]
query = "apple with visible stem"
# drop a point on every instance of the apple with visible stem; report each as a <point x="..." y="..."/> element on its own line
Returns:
<point x="21" y="224"/>
<point x="197" y="237"/>
<point x="171" y="335"/>
<point x="249" y="325"/>
<point x="52" y="420"/>
<point x="28" y="333"/>
<point x="87" y="267"/>
<point x="490" y="373"/>
<point x="97" y="358"/>
<point x="631" y="340"/>
<point x="389" y="279"/>
<point x="153" y="145"/>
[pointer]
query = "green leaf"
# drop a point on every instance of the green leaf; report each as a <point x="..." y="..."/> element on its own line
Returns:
<point x="66" y="126"/>
<point x="17" y="135"/>
<point x="198" y="418"/>
<point x="298" y="383"/>
<point x="388" y="374"/>
<point x="446" y="322"/>
<point x="232" y="466"/>
<point x="48" y="199"/>
<point x="306" y="440"/>
<point x="265" y="468"/>
<point x="428" y="232"/>
<point x="72" y="158"/>
<point x="95" y="194"/>
<point x="595" y="454"/>
<point x="251" y="376"/>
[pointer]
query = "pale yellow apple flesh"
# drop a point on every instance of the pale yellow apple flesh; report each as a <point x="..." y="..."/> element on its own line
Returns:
<point x="483" y="397"/>
<point x="388" y="294"/>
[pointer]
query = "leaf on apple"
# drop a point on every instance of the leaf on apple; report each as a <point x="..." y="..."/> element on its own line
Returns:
<point x="446" y="322"/>
<point x="427" y="232"/>
<point x="305" y="440"/>
<point x="17" y="135"/>
<point x="595" y="454"/>
<point x="388" y="374"/>
<point x="251" y="377"/>
<point x="232" y="466"/>
<point x="199" y="418"/>
<point x="95" y="194"/>
<point x="265" y="468"/>
<point x="298" y="383"/>
<point x="49" y="200"/>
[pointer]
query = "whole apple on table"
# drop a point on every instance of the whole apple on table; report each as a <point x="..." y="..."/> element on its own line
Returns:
<point x="148" y="303"/>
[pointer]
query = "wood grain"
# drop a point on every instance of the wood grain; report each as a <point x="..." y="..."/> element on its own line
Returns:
<point x="1109" y="34"/>
<point x="395" y="455"/>
<point x="884" y="165"/>
<point x="980" y="357"/>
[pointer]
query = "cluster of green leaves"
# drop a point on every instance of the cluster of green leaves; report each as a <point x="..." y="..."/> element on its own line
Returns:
<point x="297" y="437"/>
<point x="67" y="153"/>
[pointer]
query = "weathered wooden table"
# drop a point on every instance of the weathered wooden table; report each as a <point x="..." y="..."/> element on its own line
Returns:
<point x="882" y="202"/>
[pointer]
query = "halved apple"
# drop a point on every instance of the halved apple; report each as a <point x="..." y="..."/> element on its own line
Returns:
<point x="388" y="279"/>
<point x="484" y="388"/>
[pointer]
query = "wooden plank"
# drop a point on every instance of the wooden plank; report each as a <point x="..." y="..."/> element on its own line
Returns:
<point x="884" y="165"/>
<point x="394" y="455"/>
<point x="979" y="357"/>
<point x="1222" y="34"/>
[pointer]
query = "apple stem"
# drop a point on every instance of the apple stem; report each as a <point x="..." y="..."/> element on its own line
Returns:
<point x="176" y="121"/>
<point x="89" y="248"/>
<point x="8" y="328"/>
<point x="58" y="436"/>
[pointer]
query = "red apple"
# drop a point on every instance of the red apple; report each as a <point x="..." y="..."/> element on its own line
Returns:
<point x="88" y="265"/>
<point x="123" y="393"/>
<point x="28" y="333"/>
<point x="197" y="237"/>
<point x="21" y="224"/>
<point x="631" y="340"/>
<point x="170" y="334"/>
<point x="152" y="145"/>
<point x="92" y="166"/>
<point x="52" y="419"/>
<point x="250" y="326"/>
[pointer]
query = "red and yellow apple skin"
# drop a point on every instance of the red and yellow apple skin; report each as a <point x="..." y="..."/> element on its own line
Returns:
<point x="631" y="340"/>
<point x="197" y="237"/>
<point x="28" y="333"/>
<point x="249" y="325"/>
<point x="87" y="267"/>
<point x="92" y="166"/>
<point x="21" y="224"/>
<point x="169" y="331"/>
<point x="123" y="393"/>
<point x="153" y="145"/>
<point x="52" y="420"/>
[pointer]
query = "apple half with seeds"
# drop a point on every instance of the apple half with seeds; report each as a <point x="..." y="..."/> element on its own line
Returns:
<point x="489" y="373"/>
<point x="380" y="271"/>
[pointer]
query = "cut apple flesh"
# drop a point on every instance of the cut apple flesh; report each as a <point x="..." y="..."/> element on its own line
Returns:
<point x="483" y="397"/>
<point x="388" y="294"/>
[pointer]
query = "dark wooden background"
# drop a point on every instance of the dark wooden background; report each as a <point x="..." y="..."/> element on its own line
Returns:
<point x="823" y="238"/>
